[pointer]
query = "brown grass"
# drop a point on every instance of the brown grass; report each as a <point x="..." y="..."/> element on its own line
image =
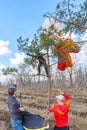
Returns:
<point x="36" y="102"/>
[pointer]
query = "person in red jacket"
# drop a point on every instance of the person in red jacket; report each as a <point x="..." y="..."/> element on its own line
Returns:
<point x="60" y="111"/>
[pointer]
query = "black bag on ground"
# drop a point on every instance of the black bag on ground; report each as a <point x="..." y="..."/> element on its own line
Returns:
<point x="34" y="122"/>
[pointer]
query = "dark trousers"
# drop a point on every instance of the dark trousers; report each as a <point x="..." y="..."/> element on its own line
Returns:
<point x="61" y="128"/>
<point x="45" y="66"/>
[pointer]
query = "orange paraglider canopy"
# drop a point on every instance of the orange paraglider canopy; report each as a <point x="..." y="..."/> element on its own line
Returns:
<point x="63" y="50"/>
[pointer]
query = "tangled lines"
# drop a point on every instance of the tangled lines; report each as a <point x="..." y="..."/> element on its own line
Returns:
<point x="64" y="49"/>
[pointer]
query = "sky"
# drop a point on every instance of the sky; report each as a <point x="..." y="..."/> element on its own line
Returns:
<point x="20" y="18"/>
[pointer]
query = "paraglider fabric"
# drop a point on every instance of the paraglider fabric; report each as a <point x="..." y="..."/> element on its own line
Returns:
<point x="34" y="122"/>
<point x="64" y="50"/>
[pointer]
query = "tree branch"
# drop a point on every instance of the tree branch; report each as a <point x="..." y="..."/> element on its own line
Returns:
<point x="68" y="22"/>
<point x="73" y="23"/>
<point x="69" y="11"/>
<point x="54" y="64"/>
<point x="81" y="41"/>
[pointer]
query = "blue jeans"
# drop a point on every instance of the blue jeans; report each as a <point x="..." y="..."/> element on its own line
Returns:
<point x="17" y="125"/>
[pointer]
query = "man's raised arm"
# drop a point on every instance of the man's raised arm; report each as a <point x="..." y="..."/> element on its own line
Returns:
<point x="28" y="54"/>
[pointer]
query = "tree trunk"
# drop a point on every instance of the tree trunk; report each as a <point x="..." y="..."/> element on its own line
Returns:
<point x="49" y="82"/>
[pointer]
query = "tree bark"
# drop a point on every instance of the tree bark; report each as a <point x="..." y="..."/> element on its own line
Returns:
<point x="49" y="82"/>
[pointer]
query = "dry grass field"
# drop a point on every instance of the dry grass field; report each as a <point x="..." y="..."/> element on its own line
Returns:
<point x="35" y="100"/>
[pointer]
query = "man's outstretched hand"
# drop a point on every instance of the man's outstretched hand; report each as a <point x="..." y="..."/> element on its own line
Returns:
<point x="60" y="91"/>
<point x="21" y="109"/>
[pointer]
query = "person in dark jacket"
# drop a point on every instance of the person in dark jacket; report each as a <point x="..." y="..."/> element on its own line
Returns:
<point x="41" y="60"/>
<point x="15" y="109"/>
